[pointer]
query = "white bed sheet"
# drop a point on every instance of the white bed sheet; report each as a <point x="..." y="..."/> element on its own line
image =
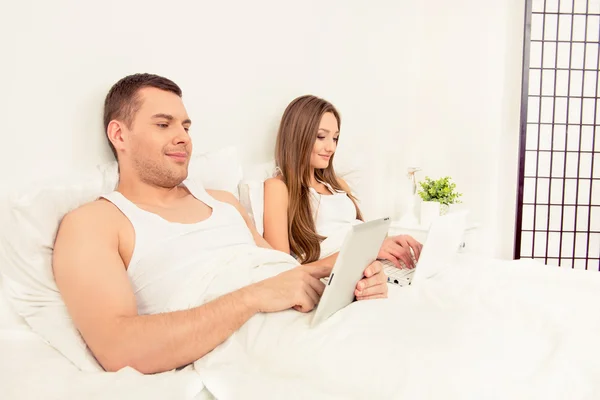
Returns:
<point x="29" y="368"/>
<point x="481" y="329"/>
<point x="32" y="369"/>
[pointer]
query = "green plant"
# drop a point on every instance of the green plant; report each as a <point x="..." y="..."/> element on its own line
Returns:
<point x="441" y="190"/>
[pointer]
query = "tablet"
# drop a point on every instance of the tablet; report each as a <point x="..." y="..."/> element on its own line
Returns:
<point x="359" y="249"/>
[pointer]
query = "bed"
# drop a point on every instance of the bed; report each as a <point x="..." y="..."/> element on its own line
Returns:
<point x="483" y="329"/>
<point x="32" y="369"/>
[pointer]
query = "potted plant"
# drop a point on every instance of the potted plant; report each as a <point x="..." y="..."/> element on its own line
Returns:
<point x="437" y="196"/>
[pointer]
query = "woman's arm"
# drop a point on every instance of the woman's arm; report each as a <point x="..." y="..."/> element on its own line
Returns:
<point x="275" y="220"/>
<point x="328" y="261"/>
<point x="275" y="215"/>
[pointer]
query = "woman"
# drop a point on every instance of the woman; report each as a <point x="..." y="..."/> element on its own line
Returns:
<point x="306" y="201"/>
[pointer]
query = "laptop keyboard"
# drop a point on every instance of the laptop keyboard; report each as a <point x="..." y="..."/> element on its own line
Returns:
<point x="396" y="275"/>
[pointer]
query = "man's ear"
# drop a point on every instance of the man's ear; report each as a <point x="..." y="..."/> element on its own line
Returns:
<point x="115" y="134"/>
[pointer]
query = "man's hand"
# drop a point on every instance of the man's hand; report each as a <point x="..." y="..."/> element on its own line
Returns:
<point x="397" y="250"/>
<point x="299" y="288"/>
<point x="373" y="285"/>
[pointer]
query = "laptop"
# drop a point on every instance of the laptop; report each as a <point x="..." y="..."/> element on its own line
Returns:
<point x="359" y="249"/>
<point x="444" y="238"/>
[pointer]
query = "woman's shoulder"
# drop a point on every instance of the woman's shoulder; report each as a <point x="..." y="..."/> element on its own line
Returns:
<point x="276" y="185"/>
<point x="343" y="184"/>
<point x="275" y="180"/>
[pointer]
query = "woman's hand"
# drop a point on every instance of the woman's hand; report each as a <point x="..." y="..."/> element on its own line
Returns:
<point x="397" y="249"/>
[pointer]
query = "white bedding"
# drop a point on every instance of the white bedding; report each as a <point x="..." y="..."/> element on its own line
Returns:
<point x="481" y="330"/>
<point x="31" y="369"/>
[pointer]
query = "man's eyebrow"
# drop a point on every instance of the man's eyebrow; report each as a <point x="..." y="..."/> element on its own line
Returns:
<point x="165" y="116"/>
<point x="171" y="118"/>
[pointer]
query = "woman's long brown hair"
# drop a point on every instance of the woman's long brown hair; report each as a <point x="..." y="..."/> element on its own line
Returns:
<point x="295" y="140"/>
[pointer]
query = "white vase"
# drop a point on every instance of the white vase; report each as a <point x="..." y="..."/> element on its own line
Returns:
<point x="444" y="209"/>
<point x="430" y="210"/>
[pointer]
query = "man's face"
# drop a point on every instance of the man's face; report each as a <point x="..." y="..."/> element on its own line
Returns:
<point x="159" y="146"/>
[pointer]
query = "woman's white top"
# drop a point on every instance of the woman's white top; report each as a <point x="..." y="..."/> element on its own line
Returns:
<point x="333" y="212"/>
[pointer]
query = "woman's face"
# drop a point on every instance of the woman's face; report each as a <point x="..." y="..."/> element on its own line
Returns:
<point x="326" y="143"/>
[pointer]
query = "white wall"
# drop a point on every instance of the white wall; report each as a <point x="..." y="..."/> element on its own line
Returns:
<point x="435" y="83"/>
<point x="469" y="108"/>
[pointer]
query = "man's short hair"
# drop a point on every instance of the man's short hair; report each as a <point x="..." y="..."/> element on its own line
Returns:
<point x="122" y="101"/>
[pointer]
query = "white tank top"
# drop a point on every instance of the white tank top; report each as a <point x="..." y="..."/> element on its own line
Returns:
<point x="333" y="212"/>
<point x="165" y="253"/>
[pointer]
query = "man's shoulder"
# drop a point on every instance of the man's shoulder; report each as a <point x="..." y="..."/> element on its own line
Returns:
<point x="92" y="215"/>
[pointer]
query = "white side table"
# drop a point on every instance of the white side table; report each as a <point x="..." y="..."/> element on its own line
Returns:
<point x="420" y="233"/>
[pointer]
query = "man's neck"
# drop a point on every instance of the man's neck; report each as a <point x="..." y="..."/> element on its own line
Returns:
<point x="140" y="192"/>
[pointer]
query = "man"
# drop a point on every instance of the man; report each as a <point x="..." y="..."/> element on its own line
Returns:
<point x="102" y="246"/>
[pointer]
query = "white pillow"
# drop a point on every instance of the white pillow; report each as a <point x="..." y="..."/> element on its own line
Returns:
<point x="252" y="191"/>
<point x="218" y="170"/>
<point x="29" y="229"/>
<point x="252" y="197"/>
<point x="9" y="319"/>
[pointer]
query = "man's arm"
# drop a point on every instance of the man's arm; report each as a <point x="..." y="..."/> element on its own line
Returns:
<point x="93" y="281"/>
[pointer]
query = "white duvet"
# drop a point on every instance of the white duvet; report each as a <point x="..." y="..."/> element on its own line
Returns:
<point x="32" y="369"/>
<point x="493" y="330"/>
